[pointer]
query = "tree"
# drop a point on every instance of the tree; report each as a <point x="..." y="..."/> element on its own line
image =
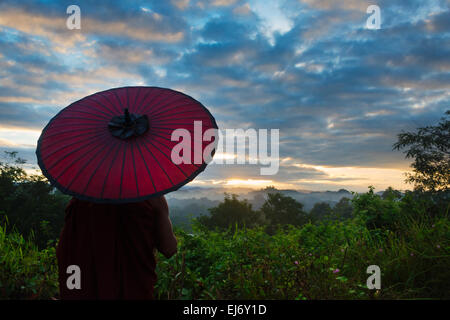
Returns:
<point x="343" y="209"/>
<point x="280" y="210"/>
<point x="29" y="203"/>
<point x="321" y="210"/>
<point x="430" y="149"/>
<point x="231" y="212"/>
<point x="376" y="212"/>
<point x="391" y="194"/>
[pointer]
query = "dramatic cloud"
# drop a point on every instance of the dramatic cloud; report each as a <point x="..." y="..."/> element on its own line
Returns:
<point x="338" y="92"/>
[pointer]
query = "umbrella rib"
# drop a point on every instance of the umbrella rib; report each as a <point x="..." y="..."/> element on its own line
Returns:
<point x="78" y="118"/>
<point x="164" y="128"/>
<point x="82" y="111"/>
<point x="81" y="156"/>
<point x="152" y="101"/>
<point x="163" y="117"/>
<point x="168" y="158"/>
<point x="100" y="103"/>
<point x="142" y="109"/>
<point x="181" y="123"/>
<point x="134" y="167"/>
<point x="79" y="135"/>
<point x="168" y="109"/>
<point x="168" y="104"/>
<point x="164" y="103"/>
<point x="65" y="125"/>
<point x="153" y="133"/>
<point x="98" y="166"/>
<point x="71" y="144"/>
<point x="161" y="136"/>
<point x="161" y="144"/>
<point x="118" y="99"/>
<point x="121" y="174"/>
<point x="145" y="97"/>
<point x="195" y="165"/>
<point x="170" y="180"/>
<point x="175" y="124"/>
<point x="146" y="166"/>
<point x="166" y="137"/>
<point x="169" y="117"/>
<point x="109" y="170"/>
<point x="110" y="102"/>
<point x="67" y="131"/>
<point x="136" y="97"/>
<point x="85" y="165"/>
<point x="87" y="106"/>
<point x="167" y="146"/>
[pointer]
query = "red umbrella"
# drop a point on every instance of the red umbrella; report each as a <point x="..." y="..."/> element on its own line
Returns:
<point x="115" y="146"/>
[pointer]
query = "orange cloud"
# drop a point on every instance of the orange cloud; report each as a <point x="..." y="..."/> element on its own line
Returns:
<point x="54" y="28"/>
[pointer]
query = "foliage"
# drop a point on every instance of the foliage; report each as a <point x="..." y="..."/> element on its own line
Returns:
<point x="327" y="260"/>
<point x="374" y="211"/>
<point x="343" y="209"/>
<point x="231" y="212"/>
<point x="323" y="260"/>
<point x="29" y="201"/>
<point x="25" y="271"/>
<point x="321" y="210"/>
<point x="430" y="149"/>
<point x="280" y="210"/>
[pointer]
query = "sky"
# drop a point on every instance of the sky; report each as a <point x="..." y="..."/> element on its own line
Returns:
<point x="338" y="92"/>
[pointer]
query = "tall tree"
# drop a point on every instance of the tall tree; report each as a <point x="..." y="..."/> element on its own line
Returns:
<point x="430" y="148"/>
<point x="231" y="212"/>
<point x="343" y="209"/>
<point x="321" y="210"/>
<point x="281" y="210"/>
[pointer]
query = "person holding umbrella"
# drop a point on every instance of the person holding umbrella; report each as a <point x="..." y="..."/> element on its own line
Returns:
<point x="111" y="151"/>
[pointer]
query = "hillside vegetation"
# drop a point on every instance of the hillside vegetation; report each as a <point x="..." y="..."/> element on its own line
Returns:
<point x="277" y="251"/>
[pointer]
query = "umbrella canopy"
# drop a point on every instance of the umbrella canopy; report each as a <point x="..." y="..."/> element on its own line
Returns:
<point x="116" y="146"/>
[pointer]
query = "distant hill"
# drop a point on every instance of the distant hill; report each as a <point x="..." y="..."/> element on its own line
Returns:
<point x="194" y="201"/>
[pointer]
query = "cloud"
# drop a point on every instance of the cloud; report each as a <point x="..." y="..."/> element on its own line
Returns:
<point x="144" y="28"/>
<point x="243" y="9"/>
<point x="338" y="92"/>
<point x="181" y="4"/>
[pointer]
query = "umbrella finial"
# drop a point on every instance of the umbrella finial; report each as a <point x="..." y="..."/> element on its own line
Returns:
<point x="127" y="117"/>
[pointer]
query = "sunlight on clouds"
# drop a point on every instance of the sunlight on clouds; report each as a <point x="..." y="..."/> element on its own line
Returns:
<point x="257" y="184"/>
<point x="357" y="176"/>
<point x="222" y="3"/>
<point x="16" y="136"/>
<point x="54" y="28"/>
<point x="333" y="4"/>
<point x="224" y="156"/>
<point x="242" y="10"/>
<point x="242" y="183"/>
<point x="181" y="4"/>
<point x="248" y="182"/>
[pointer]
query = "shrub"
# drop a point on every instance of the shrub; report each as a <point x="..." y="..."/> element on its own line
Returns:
<point x="25" y="271"/>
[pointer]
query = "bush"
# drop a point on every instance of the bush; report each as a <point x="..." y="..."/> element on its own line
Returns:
<point x="322" y="260"/>
<point x="327" y="260"/>
<point x="25" y="271"/>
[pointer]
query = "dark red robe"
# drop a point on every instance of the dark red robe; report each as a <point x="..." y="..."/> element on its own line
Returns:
<point x="113" y="247"/>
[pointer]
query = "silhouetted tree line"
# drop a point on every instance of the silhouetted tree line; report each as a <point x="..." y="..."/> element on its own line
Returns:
<point x="429" y="147"/>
